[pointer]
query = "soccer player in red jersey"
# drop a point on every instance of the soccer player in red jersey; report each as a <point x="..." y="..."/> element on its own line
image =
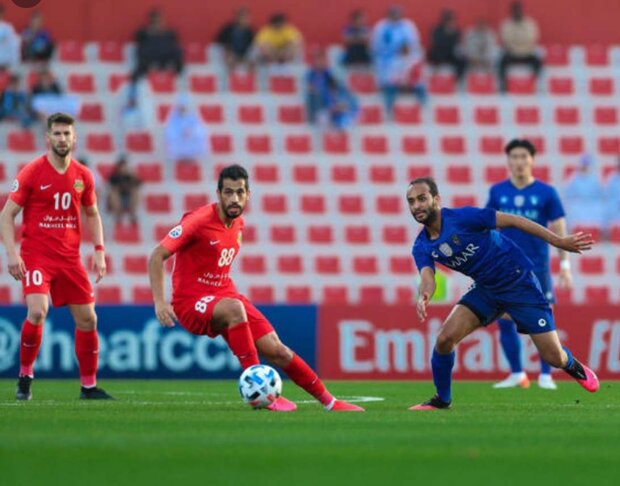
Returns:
<point x="205" y="300"/>
<point x="51" y="190"/>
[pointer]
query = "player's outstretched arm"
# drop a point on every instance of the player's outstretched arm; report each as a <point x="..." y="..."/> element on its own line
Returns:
<point x="575" y="243"/>
<point x="16" y="265"/>
<point x="163" y="310"/>
<point x="425" y="291"/>
<point x="93" y="219"/>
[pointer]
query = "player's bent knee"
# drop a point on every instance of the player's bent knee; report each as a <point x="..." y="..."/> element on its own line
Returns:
<point x="87" y="323"/>
<point x="37" y="315"/>
<point x="445" y="343"/>
<point x="230" y="312"/>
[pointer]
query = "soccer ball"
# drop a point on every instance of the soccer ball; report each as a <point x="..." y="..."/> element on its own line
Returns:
<point x="260" y="385"/>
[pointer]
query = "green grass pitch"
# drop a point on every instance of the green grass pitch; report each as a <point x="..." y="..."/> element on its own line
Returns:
<point x="199" y="432"/>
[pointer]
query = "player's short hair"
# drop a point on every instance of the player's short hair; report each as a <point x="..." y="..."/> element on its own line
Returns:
<point x="234" y="172"/>
<point x="520" y="143"/>
<point x="429" y="181"/>
<point x="59" y="118"/>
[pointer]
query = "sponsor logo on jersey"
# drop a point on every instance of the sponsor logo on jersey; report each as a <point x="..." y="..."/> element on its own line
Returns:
<point x="46" y="186"/>
<point x="445" y="249"/>
<point x="519" y="201"/>
<point x="463" y="257"/>
<point x="534" y="200"/>
<point x="15" y="186"/>
<point x="176" y="232"/>
<point x="78" y="185"/>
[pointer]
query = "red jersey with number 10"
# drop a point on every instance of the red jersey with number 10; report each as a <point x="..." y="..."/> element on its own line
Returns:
<point x="205" y="249"/>
<point x="52" y="203"/>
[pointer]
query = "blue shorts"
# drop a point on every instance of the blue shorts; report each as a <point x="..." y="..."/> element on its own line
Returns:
<point x="525" y="303"/>
<point x="546" y="285"/>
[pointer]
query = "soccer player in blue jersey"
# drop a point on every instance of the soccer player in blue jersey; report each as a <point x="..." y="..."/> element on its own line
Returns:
<point x="466" y="240"/>
<point x="522" y="194"/>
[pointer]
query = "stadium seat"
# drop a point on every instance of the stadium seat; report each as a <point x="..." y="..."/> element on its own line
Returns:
<point x="404" y="295"/>
<point x="290" y="264"/>
<point x="561" y="86"/>
<point x="336" y="143"/>
<point x="371" y="115"/>
<point x="566" y="115"/>
<point x="601" y="86"/>
<point x="597" y="55"/>
<point x="591" y="265"/>
<point x="105" y="169"/>
<point x="414" y="145"/>
<point x="274" y="204"/>
<point x="606" y="115"/>
<point x="298" y="144"/>
<point x="188" y="171"/>
<point x="371" y="295"/>
<point x="447" y="115"/>
<point x="459" y="174"/>
<point x="556" y="55"/>
<point x="542" y="172"/>
<point x="495" y="173"/>
<point x="116" y="81"/>
<point x="253" y="264"/>
<point x="202" y="83"/>
<point x="211" y="113"/>
<point x="71" y="51"/>
<point x="442" y="84"/>
<point x="312" y="204"/>
<point x="614" y="237"/>
<point x="150" y="171"/>
<point x="195" y="53"/>
<point x="5" y="294"/>
<point x="160" y="230"/>
<point x="407" y="114"/>
<point x="564" y="295"/>
<point x="250" y="114"/>
<point x="135" y="264"/>
<point x="162" y="81"/>
<point x="519" y="85"/>
<point x="596" y="295"/>
<point x="571" y="145"/>
<point x="395" y="234"/>
<point x="357" y="234"/>
<point x="486" y="115"/>
<point x="416" y="171"/>
<point x="108" y="294"/>
<point x="99" y="142"/>
<point x="460" y="201"/>
<point x="481" y="84"/>
<point x="283" y="234"/>
<point x="91" y="112"/>
<point x="350" y="204"/>
<point x="365" y="265"/>
<point x="527" y="115"/>
<point x="327" y="265"/>
<point x="158" y="203"/>
<point x="81" y="83"/>
<point x="2" y="172"/>
<point x="321" y="234"/>
<point x="388" y="204"/>
<point x="362" y="83"/>
<point x="291" y="114"/>
<point x="194" y="201"/>
<point x="282" y="84"/>
<point x="298" y="294"/>
<point x="250" y="234"/>
<point x="382" y="174"/>
<point x="267" y="173"/>
<point x="221" y="144"/>
<point x="242" y="83"/>
<point x="261" y="294"/>
<point x="305" y="174"/>
<point x="163" y="111"/>
<point x="335" y="295"/>
<point x="141" y="295"/>
<point x="344" y="173"/>
<point x="608" y="145"/>
<point x="139" y="142"/>
<point x="375" y="144"/>
<point x="491" y="145"/>
<point x="110" y="51"/>
<point x="402" y="265"/>
<point x="258" y="144"/>
<point x="127" y="233"/>
<point x="21" y="141"/>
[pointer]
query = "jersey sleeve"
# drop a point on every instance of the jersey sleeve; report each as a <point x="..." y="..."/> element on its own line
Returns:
<point x="89" y="197"/>
<point x="22" y="186"/>
<point x="492" y="201"/>
<point x="422" y="257"/>
<point x="478" y="219"/>
<point x="181" y="234"/>
<point x="555" y="210"/>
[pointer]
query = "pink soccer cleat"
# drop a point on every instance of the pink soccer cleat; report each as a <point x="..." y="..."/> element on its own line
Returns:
<point x="434" y="403"/>
<point x="585" y="377"/>
<point x="281" y="404"/>
<point x="342" y="406"/>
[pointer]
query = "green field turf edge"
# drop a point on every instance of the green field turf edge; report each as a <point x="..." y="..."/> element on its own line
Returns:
<point x="199" y="432"/>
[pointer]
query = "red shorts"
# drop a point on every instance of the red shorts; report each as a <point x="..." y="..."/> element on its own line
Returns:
<point x="65" y="284"/>
<point x="195" y="315"/>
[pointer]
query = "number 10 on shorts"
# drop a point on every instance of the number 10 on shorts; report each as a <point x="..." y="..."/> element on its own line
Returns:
<point x="201" y="305"/>
<point x="37" y="277"/>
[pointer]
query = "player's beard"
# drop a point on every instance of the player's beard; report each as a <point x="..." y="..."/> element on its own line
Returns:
<point x="431" y="216"/>
<point x="233" y="215"/>
<point x="62" y="152"/>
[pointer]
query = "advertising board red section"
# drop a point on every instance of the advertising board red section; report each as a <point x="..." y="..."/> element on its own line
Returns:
<point x="374" y="342"/>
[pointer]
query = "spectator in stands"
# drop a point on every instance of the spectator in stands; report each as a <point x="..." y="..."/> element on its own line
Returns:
<point x="236" y="39"/>
<point x="48" y="97"/>
<point x="278" y="42"/>
<point x="519" y="35"/>
<point x="584" y="196"/>
<point x="123" y="192"/>
<point x="9" y="44"/>
<point x="186" y="135"/>
<point x="356" y="36"/>
<point x="317" y="91"/>
<point x="37" y="42"/>
<point x="480" y="46"/>
<point x="342" y="106"/>
<point x="157" y="47"/>
<point x="15" y="105"/>
<point x="612" y="197"/>
<point x="445" y="44"/>
<point x="397" y="54"/>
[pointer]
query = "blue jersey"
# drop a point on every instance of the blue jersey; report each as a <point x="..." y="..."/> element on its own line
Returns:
<point x="470" y="244"/>
<point x="540" y="203"/>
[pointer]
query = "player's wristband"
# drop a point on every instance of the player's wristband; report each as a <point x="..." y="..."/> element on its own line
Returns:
<point x="99" y="248"/>
<point x="565" y="264"/>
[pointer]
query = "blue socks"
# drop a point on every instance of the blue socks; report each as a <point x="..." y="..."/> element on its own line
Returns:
<point x="571" y="360"/>
<point x="442" y="365"/>
<point x="511" y="344"/>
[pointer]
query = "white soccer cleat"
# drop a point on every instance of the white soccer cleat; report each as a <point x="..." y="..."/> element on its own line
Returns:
<point x="514" y="380"/>
<point x="546" y="381"/>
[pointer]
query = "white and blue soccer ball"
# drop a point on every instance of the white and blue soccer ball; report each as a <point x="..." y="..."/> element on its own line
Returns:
<point x="260" y="385"/>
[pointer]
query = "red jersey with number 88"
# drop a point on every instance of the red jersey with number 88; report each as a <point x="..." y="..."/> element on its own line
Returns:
<point x="52" y="203"/>
<point x="205" y="249"/>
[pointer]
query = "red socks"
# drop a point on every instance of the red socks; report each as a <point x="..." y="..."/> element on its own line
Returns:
<point x="87" y="352"/>
<point x="29" y="348"/>
<point x="299" y="371"/>
<point x="241" y="343"/>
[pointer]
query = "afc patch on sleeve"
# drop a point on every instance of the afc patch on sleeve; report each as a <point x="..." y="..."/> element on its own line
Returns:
<point x="176" y="232"/>
<point x="15" y="186"/>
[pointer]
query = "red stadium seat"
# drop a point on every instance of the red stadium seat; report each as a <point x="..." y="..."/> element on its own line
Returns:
<point x="105" y="169"/>
<point x="71" y="51"/>
<point x="188" y="171"/>
<point x="395" y="235"/>
<point x="250" y="235"/>
<point x="519" y="85"/>
<point x="335" y="295"/>
<point x="116" y="81"/>
<point x="495" y="173"/>
<point x="416" y="171"/>
<point x="195" y="53"/>
<point x="561" y="86"/>
<point x="91" y="112"/>
<point x="564" y="295"/>
<point x="321" y="234"/>
<point x="127" y="233"/>
<point x="556" y="55"/>
<point x="597" y="55"/>
<point x="382" y="174"/>
<point x="253" y="264"/>
<point x="362" y="83"/>
<point x="283" y="85"/>
<point x="357" y="234"/>
<point x="211" y="113"/>
<point x="614" y="237"/>
<point x="460" y="201"/>
<point x="202" y="83"/>
<point x="527" y="115"/>
<point x="269" y="173"/>
<point x="606" y="115"/>
<point x="242" y="83"/>
<point x="251" y="114"/>
<point x="566" y="115"/>
<point x="5" y="294"/>
<point x="305" y="174"/>
<point x="274" y="204"/>
<point x="221" y="144"/>
<point x="99" y="142"/>
<point x="591" y="265"/>
<point x="110" y="51"/>
<point x="571" y="145"/>
<point x="404" y="295"/>
<point x="312" y="204"/>
<point x="341" y="173"/>
<point x="298" y="294"/>
<point x="160" y="230"/>
<point x="81" y="83"/>
<point x="262" y="294"/>
<point x="365" y="265"/>
<point x="141" y="295"/>
<point x="414" y="145"/>
<point x="601" y="86"/>
<point x="291" y="114"/>
<point x="442" y="84"/>
<point x="481" y="84"/>
<point x="327" y="265"/>
<point x="491" y="145"/>
<point x="350" y="204"/>
<point x="459" y="174"/>
<point x="447" y="115"/>
<point x="402" y="265"/>
<point x="453" y="145"/>
<point x="194" y="201"/>
<point x="158" y="203"/>
<point x="149" y="171"/>
<point x="371" y="295"/>
<point x="135" y="264"/>
<point x="298" y="144"/>
<point x="108" y="294"/>
<point x="371" y="115"/>
<point x="391" y="204"/>
<point x="608" y="145"/>
<point x="2" y="172"/>
<point x="375" y="144"/>
<point x="336" y="143"/>
<point x="258" y="144"/>
<point x="162" y="81"/>
<point x="283" y="234"/>
<point x="486" y="115"/>
<point x="597" y="295"/>
<point x="291" y="264"/>
<point x="163" y="111"/>
<point x="538" y="141"/>
<point x="21" y="141"/>
<point x="139" y="142"/>
<point x="542" y="173"/>
<point x="407" y="114"/>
